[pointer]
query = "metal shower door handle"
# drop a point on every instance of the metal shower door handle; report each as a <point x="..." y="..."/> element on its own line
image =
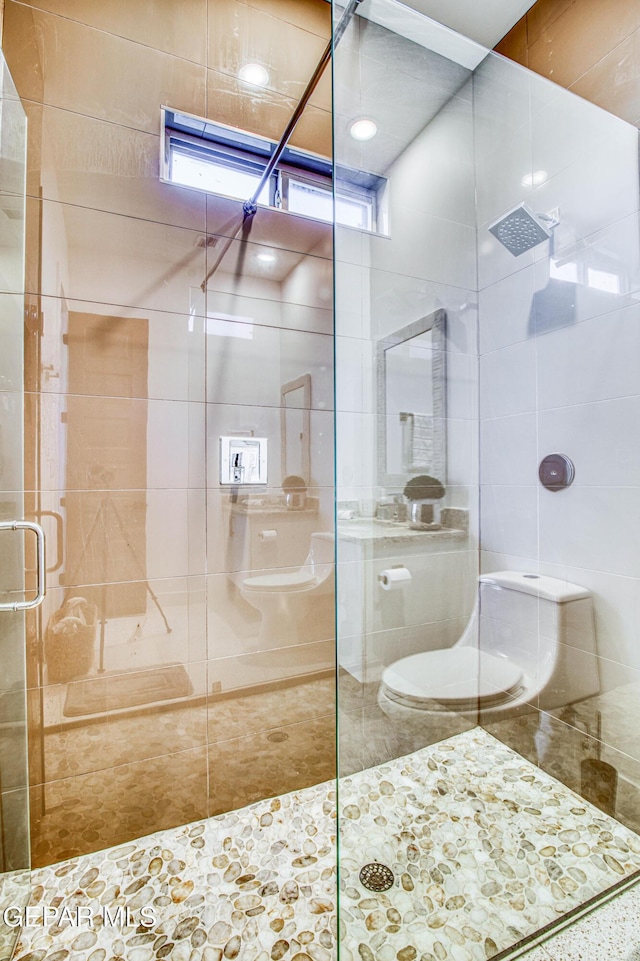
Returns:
<point x="40" y="567"/>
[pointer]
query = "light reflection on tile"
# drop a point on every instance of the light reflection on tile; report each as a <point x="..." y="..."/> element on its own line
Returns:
<point x="289" y="53"/>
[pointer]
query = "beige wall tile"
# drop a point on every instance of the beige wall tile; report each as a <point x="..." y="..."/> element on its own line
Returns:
<point x="240" y="34"/>
<point x="314" y="131"/>
<point x="177" y="28"/>
<point x="54" y="60"/>
<point x="587" y="46"/>
<point x="161" y="536"/>
<point x="311" y="15"/>
<point x="266" y="113"/>
<point x="270" y="228"/>
<point x="173" y="355"/>
<point x="543" y="13"/>
<point x="614" y="82"/>
<point x="93" y="163"/>
<point x="33" y="246"/>
<point x="113" y="259"/>
<point x="166" y="452"/>
<point x="579" y="38"/>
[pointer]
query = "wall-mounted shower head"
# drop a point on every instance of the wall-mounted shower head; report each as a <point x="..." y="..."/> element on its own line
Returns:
<point x="520" y="229"/>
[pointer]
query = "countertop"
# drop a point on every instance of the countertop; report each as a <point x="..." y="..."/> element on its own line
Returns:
<point x="368" y="529"/>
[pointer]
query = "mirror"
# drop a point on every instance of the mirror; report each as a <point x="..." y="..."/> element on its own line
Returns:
<point x="295" y="404"/>
<point x="411" y="402"/>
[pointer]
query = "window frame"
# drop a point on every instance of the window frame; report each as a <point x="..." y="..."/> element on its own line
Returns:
<point x="232" y="147"/>
<point x="228" y="156"/>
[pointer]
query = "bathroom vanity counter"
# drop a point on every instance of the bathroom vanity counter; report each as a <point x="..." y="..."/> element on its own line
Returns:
<point x="385" y="538"/>
<point x="267" y="509"/>
<point x="370" y="528"/>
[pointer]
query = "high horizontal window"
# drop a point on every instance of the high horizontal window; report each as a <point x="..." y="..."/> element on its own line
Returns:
<point x="229" y="162"/>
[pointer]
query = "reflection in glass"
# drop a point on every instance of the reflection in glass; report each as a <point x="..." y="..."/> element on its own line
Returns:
<point x="411" y="401"/>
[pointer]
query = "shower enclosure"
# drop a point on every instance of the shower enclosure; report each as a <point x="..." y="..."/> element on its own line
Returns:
<point x="470" y="337"/>
<point x="486" y="369"/>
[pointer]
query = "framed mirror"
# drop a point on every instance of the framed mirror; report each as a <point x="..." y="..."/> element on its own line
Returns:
<point x="411" y="402"/>
<point x="295" y="406"/>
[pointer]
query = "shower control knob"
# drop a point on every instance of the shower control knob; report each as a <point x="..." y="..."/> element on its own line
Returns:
<point x="556" y="472"/>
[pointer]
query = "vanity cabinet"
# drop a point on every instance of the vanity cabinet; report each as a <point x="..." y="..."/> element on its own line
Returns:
<point x="375" y="626"/>
<point x="269" y="537"/>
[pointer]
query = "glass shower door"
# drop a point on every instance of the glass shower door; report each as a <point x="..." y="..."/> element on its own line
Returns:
<point x="14" y="782"/>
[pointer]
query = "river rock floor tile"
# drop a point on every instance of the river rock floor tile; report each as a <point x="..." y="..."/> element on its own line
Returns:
<point x="485" y="849"/>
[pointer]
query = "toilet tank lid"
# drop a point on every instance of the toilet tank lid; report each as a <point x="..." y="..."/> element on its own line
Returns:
<point x="548" y="588"/>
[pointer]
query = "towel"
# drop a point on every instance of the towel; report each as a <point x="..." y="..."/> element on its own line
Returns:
<point x="421" y="441"/>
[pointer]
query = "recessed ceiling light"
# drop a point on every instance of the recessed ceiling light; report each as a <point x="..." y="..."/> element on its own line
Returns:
<point x="266" y="258"/>
<point x="255" y="74"/>
<point x="534" y="179"/>
<point x="363" y="129"/>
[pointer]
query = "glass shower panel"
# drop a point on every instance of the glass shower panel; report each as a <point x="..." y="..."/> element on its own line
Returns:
<point x="14" y="782"/>
<point x="558" y="375"/>
<point x="406" y="463"/>
<point x="486" y="780"/>
<point x="405" y="381"/>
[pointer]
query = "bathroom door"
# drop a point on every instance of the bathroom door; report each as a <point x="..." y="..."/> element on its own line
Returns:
<point x="15" y="543"/>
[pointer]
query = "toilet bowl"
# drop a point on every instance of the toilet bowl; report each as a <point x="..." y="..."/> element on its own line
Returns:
<point x="530" y="640"/>
<point x="296" y="606"/>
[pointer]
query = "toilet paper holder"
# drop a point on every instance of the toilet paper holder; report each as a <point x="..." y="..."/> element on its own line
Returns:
<point x="394" y="578"/>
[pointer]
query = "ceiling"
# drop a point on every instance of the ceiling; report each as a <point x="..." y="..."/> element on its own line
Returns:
<point x="485" y="21"/>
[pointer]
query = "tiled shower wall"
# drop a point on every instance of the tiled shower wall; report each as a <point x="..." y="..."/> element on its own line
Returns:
<point x="131" y="378"/>
<point x="558" y="373"/>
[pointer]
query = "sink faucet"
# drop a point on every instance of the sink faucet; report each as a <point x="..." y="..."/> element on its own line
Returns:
<point x="392" y="507"/>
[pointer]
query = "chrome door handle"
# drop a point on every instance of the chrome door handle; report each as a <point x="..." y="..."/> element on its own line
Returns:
<point x="41" y="566"/>
<point x="59" y="538"/>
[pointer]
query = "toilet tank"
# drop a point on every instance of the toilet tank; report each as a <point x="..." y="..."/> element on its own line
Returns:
<point x="547" y="627"/>
<point x="323" y="548"/>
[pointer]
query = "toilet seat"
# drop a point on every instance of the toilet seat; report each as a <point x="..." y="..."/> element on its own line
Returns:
<point x="459" y="678"/>
<point x="293" y="581"/>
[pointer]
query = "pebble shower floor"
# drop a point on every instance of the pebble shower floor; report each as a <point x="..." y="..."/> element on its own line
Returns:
<point x="485" y="849"/>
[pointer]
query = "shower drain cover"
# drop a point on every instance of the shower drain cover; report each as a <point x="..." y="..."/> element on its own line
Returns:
<point x="376" y="877"/>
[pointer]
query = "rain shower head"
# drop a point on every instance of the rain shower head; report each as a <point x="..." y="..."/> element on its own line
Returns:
<point x="520" y="229"/>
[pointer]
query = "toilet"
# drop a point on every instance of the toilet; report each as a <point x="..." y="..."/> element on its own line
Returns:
<point x="296" y="606"/>
<point x="530" y="640"/>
